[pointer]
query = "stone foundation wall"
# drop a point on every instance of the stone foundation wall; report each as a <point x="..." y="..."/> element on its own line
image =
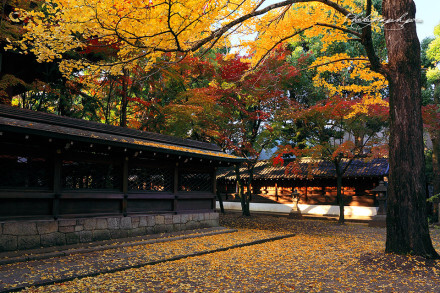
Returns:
<point x="22" y="235"/>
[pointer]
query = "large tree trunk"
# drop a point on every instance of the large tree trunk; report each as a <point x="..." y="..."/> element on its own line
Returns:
<point x="407" y="225"/>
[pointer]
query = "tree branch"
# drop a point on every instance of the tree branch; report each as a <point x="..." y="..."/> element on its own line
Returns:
<point x="225" y="28"/>
<point x="367" y="41"/>
<point x="176" y="38"/>
<point x="334" y="61"/>
<point x="277" y="43"/>
<point x="340" y="28"/>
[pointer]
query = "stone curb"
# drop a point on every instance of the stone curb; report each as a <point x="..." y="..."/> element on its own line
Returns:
<point x="81" y="276"/>
<point x="125" y="243"/>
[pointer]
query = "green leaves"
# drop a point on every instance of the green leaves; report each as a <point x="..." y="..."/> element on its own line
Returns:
<point x="434" y="47"/>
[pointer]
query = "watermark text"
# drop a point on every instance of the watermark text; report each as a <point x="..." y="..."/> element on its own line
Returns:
<point x="364" y="21"/>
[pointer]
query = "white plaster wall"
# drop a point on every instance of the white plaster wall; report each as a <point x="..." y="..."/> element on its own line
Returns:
<point x="326" y="210"/>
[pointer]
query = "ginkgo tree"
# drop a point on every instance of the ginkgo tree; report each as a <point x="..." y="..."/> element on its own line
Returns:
<point x="148" y="29"/>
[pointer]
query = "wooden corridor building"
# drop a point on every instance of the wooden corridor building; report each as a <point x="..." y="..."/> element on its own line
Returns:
<point x="65" y="180"/>
<point x="274" y="184"/>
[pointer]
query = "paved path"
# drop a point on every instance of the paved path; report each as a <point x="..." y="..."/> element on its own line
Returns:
<point x="52" y="265"/>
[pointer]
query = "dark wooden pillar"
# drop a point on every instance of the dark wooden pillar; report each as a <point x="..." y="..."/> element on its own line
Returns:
<point x="214" y="190"/>
<point x="175" y="186"/>
<point x="125" y="185"/>
<point x="306" y="196"/>
<point x="226" y="190"/>
<point x="214" y="180"/>
<point x="292" y="190"/>
<point x="57" y="184"/>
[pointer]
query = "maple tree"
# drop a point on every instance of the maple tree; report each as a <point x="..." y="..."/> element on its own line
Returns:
<point x="150" y="29"/>
<point x="336" y="131"/>
<point x="187" y="111"/>
<point x="234" y="107"/>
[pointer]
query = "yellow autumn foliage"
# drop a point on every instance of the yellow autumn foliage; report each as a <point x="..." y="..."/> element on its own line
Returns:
<point x="357" y="67"/>
<point x="363" y="106"/>
<point x="149" y="28"/>
<point x="142" y="31"/>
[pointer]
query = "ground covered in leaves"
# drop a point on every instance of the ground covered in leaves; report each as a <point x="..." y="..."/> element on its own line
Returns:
<point x="43" y="271"/>
<point x="322" y="257"/>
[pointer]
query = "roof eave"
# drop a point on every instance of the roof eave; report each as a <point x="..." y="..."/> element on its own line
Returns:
<point x="87" y="139"/>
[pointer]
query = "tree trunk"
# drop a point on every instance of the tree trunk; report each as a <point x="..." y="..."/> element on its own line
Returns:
<point x="241" y="194"/>
<point x="340" y="198"/>
<point x="220" y="202"/>
<point x="407" y="225"/>
<point x="123" y="121"/>
<point x="339" y="195"/>
<point x="244" y="206"/>
<point x="247" y="211"/>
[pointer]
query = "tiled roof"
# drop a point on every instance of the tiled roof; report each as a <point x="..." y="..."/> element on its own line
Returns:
<point x="32" y="122"/>
<point x="321" y="169"/>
